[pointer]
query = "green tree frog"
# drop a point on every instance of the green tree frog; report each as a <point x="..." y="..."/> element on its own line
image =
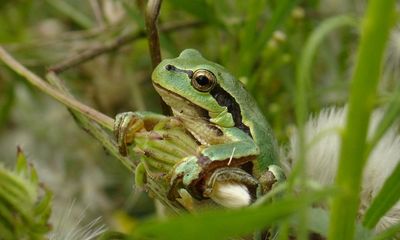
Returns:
<point x="236" y="144"/>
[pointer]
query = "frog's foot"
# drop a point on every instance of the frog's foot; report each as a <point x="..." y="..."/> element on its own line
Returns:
<point x="269" y="178"/>
<point x="231" y="187"/>
<point x="125" y="126"/>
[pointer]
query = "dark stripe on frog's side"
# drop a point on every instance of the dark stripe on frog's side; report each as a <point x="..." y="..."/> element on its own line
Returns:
<point x="225" y="99"/>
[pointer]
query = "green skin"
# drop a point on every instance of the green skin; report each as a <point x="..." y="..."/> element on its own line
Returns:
<point x="216" y="127"/>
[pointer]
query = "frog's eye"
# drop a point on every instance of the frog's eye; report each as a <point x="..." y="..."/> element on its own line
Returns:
<point x="203" y="80"/>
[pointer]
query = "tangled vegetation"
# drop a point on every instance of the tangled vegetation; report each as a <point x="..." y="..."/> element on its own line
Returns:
<point x="295" y="57"/>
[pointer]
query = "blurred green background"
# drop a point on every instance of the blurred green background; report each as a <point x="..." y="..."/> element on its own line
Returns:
<point x="259" y="49"/>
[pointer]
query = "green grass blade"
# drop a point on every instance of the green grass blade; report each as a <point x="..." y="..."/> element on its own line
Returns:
<point x="391" y="114"/>
<point x="389" y="233"/>
<point x="65" y="8"/>
<point x="250" y="56"/>
<point x="384" y="201"/>
<point x="223" y="224"/>
<point x="303" y="75"/>
<point x="134" y="13"/>
<point x="375" y="30"/>
<point x="248" y="32"/>
<point x="202" y="9"/>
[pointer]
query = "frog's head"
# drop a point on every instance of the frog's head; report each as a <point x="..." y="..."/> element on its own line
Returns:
<point x="192" y="86"/>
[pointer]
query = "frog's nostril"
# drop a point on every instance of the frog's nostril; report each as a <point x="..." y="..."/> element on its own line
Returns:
<point x="170" y="67"/>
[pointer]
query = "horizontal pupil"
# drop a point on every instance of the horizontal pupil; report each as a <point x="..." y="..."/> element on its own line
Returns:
<point x="202" y="80"/>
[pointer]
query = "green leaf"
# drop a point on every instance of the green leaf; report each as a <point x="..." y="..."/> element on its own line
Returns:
<point x="319" y="223"/>
<point x="6" y="216"/>
<point x="391" y="114"/>
<point x="303" y="76"/>
<point x="5" y="232"/>
<point x="303" y="80"/>
<point x="305" y="64"/>
<point x="15" y="196"/>
<point x="22" y="165"/>
<point x="23" y="213"/>
<point x="134" y="13"/>
<point x="199" y="8"/>
<point x="112" y="235"/>
<point x="43" y="208"/>
<point x="250" y="54"/>
<point x="388" y="196"/>
<point x="390" y="233"/>
<point x="222" y="224"/>
<point x="67" y="9"/>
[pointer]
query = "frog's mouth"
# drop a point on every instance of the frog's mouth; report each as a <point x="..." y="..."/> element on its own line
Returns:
<point x="180" y="104"/>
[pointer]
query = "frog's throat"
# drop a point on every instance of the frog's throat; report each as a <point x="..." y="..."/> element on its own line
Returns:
<point x="168" y="95"/>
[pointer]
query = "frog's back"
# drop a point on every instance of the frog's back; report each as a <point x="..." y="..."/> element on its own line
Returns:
<point x="264" y="138"/>
<point x="241" y="105"/>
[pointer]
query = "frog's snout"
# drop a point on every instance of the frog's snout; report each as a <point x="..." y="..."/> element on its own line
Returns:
<point x="190" y="53"/>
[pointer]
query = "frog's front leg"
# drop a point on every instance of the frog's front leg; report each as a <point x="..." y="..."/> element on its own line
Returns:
<point x="128" y="123"/>
<point x="237" y="149"/>
<point x="230" y="161"/>
<point x="231" y="187"/>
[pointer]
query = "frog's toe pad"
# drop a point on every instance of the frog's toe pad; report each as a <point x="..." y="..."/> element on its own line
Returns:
<point x="125" y="126"/>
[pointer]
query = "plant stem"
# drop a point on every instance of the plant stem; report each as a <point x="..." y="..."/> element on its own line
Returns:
<point x="115" y="44"/>
<point x="151" y="16"/>
<point x="375" y="31"/>
<point x="303" y="78"/>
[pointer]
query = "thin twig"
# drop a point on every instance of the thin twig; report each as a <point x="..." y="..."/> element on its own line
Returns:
<point x="96" y="9"/>
<point x="38" y="82"/>
<point x="151" y="16"/>
<point x="82" y="114"/>
<point x="95" y="52"/>
<point x="119" y="42"/>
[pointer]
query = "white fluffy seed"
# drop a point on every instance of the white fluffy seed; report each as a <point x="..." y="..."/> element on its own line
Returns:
<point x="322" y="136"/>
<point x="230" y="194"/>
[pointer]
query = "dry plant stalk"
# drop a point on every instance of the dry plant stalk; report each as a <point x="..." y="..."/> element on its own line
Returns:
<point x="89" y="119"/>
